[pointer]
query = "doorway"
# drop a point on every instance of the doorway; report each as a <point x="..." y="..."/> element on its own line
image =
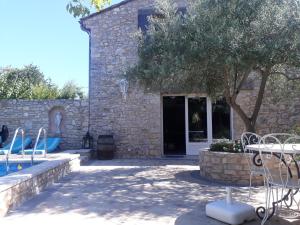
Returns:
<point x="192" y="122"/>
<point x="174" y="125"/>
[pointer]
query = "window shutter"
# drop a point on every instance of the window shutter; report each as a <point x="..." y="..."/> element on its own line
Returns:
<point x="182" y="10"/>
<point x="143" y="21"/>
<point x="144" y="14"/>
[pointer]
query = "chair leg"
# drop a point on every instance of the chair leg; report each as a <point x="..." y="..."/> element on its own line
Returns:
<point x="298" y="204"/>
<point x="275" y="199"/>
<point x="268" y="196"/>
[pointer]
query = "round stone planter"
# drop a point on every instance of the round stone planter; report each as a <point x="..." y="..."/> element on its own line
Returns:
<point x="227" y="168"/>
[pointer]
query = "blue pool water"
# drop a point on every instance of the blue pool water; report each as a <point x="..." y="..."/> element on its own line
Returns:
<point x="13" y="167"/>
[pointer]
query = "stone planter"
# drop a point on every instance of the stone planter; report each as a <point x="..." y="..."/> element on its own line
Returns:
<point x="227" y="168"/>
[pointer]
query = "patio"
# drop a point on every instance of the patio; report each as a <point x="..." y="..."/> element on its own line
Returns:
<point x="162" y="192"/>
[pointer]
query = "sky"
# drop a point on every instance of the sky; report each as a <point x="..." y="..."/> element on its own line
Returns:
<point x="43" y="33"/>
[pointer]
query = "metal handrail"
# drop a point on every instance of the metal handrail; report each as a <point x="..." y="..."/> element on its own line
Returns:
<point x="37" y="141"/>
<point x="12" y="144"/>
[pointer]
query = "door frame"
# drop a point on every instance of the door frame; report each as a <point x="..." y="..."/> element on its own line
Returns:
<point x="194" y="148"/>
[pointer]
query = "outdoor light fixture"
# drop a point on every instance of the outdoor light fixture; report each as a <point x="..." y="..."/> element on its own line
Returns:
<point x="123" y="84"/>
<point x="87" y="141"/>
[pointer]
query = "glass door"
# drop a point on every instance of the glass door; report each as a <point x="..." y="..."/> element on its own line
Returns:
<point x="174" y="125"/>
<point x="191" y="123"/>
<point x="199" y="124"/>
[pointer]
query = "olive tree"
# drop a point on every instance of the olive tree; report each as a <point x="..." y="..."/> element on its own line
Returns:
<point x="83" y="7"/>
<point x="217" y="45"/>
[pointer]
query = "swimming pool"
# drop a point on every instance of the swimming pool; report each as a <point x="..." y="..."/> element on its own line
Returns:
<point x="14" y="167"/>
<point x="17" y="187"/>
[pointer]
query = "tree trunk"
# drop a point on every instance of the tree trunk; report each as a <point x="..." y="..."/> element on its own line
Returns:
<point x="249" y="122"/>
<point x="251" y="128"/>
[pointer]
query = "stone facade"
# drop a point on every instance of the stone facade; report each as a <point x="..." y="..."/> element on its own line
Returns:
<point x="136" y="122"/>
<point x="273" y="117"/>
<point x="33" y="114"/>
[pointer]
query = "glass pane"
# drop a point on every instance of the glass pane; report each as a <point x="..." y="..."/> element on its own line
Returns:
<point x="197" y="119"/>
<point x="221" y="120"/>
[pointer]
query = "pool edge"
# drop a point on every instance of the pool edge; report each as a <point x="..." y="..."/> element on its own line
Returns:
<point x="19" y="187"/>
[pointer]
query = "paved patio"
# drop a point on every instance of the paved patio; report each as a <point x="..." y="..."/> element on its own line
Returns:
<point x="129" y="192"/>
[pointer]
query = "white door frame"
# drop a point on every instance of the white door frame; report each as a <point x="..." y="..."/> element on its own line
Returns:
<point x="193" y="148"/>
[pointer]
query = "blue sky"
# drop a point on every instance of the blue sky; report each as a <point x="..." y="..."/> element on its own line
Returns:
<point x="43" y="33"/>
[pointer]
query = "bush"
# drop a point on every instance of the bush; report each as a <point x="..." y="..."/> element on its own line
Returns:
<point x="226" y="146"/>
<point x="295" y="130"/>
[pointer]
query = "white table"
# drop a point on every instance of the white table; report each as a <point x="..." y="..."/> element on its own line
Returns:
<point x="275" y="148"/>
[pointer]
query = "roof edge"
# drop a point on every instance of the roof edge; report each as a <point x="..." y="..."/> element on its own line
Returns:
<point x="84" y="28"/>
<point x="106" y="9"/>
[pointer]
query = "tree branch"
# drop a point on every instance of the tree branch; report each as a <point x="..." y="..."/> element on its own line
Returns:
<point x="231" y="100"/>
<point x="286" y="75"/>
<point x="245" y="76"/>
<point x="260" y="95"/>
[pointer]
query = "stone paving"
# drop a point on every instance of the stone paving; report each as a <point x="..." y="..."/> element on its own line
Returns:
<point x="130" y="192"/>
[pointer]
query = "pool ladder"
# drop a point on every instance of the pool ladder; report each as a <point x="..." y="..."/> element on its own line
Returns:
<point x="19" y="129"/>
<point x="41" y="130"/>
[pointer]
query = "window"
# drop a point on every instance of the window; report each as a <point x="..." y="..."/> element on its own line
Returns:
<point x="143" y="19"/>
<point x="197" y="110"/>
<point x="144" y="14"/>
<point x="221" y="120"/>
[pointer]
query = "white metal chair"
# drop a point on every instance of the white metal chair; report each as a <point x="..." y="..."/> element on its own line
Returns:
<point x="277" y="153"/>
<point x="249" y="138"/>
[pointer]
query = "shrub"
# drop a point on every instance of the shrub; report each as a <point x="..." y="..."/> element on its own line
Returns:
<point x="296" y="129"/>
<point x="226" y="146"/>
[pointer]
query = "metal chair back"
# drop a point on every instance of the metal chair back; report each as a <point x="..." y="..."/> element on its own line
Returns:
<point x="249" y="138"/>
<point x="278" y="152"/>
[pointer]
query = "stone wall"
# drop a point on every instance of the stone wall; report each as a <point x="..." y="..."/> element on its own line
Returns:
<point x="19" y="187"/>
<point x="136" y="122"/>
<point x="33" y="114"/>
<point x="273" y="117"/>
<point x="227" y="168"/>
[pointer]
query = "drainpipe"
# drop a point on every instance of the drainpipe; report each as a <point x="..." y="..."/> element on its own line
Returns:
<point x="88" y="31"/>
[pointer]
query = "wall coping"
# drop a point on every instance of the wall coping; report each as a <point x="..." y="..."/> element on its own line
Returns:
<point x="51" y="162"/>
<point x="215" y="152"/>
<point x="18" y="187"/>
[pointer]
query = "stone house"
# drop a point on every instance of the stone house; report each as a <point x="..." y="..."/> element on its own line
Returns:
<point x="157" y="124"/>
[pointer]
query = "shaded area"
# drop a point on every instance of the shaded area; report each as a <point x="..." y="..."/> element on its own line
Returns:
<point x="194" y="176"/>
<point x="126" y="192"/>
<point x="197" y="217"/>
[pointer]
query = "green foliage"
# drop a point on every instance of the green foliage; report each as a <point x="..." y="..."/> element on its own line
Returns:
<point x="71" y="91"/>
<point x="295" y="130"/>
<point x="30" y="83"/>
<point x="216" y="45"/>
<point x="283" y="88"/>
<point x="21" y="83"/>
<point x="45" y="91"/>
<point x="196" y="50"/>
<point x="226" y="146"/>
<point x="80" y="8"/>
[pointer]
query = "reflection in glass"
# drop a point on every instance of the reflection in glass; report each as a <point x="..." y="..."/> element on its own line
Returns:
<point x="221" y="120"/>
<point x="197" y="109"/>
